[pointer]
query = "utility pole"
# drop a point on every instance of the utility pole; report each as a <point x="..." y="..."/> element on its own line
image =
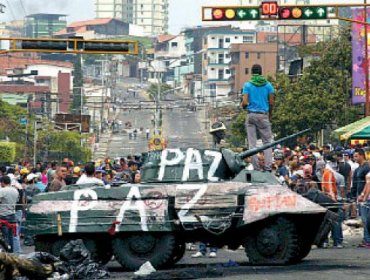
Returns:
<point x="367" y="96"/>
<point x="34" y="143"/>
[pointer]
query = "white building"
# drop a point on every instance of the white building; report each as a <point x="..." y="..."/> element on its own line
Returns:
<point x="152" y="15"/>
<point x="216" y="59"/>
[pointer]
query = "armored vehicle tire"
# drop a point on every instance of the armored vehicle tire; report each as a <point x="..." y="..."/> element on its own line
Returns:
<point x="100" y="252"/>
<point x="132" y="251"/>
<point x="274" y="243"/>
<point x="177" y="254"/>
<point x="180" y="252"/>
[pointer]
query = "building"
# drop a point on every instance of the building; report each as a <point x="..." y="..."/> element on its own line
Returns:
<point x="34" y="98"/>
<point x="90" y="29"/>
<point x="56" y="76"/>
<point x="244" y="56"/>
<point x="152" y="15"/>
<point x="43" y="25"/>
<point x="216" y="58"/>
<point x="12" y="28"/>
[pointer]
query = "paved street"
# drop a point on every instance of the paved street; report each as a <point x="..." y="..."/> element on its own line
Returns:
<point x="182" y="127"/>
<point x="329" y="264"/>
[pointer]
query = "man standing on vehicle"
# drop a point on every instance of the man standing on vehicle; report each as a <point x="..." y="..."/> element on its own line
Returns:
<point x="258" y="99"/>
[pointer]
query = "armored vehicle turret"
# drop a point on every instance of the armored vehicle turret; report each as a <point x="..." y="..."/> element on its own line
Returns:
<point x="187" y="195"/>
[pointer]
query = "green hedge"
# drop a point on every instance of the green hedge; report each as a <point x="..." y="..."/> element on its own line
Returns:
<point x="7" y="151"/>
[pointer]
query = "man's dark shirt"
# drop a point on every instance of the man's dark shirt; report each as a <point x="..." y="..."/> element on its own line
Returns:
<point x="359" y="180"/>
<point x="344" y="168"/>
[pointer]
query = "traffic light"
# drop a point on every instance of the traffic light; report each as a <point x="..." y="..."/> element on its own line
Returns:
<point x="268" y="10"/>
<point x="230" y="14"/>
<point x="302" y="12"/>
<point x="72" y="45"/>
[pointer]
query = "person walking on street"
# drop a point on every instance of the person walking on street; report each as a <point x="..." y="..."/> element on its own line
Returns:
<point x="147" y="132"/>
<point x="258" y="99"/>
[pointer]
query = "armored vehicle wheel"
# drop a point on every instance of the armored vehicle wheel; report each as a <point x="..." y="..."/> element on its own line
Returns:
<point x="50" y="246"/>
<point x="134" y="250"/>
<point x="275" y="243"/>
<point x="180" y="251"/>
<point x="100" y="251"/>
<point x="177" y="254"/>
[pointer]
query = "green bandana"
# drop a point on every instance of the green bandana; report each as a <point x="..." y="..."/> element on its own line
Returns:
<point x="258" y="80"/>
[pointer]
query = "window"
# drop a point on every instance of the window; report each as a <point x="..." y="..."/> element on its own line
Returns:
<point x="227" y="40"/>
<point x="258" y="55"/>
<point x="236" y="37"/>
<point x="221" y="58"/>
<point x="227" y="55"/>
<point x="227" y="71"/>
<point x="221" y="74"/>
<point x="174" y="44"/>
<point x="205" y="41"/>
<point x="248" y="39"/>
<point x="205" y="56"/>
<point x="246" y="55"/>
<point x="246" y="71"/>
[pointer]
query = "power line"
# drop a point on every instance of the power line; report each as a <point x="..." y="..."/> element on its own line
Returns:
<point x="24" y="10"/>
<point x="11" y="10"/>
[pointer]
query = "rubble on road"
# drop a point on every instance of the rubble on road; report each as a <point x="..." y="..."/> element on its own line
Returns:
<point x="74" y="263"/>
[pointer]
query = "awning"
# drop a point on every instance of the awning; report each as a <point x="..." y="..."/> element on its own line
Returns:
<point x="356" y="130"/>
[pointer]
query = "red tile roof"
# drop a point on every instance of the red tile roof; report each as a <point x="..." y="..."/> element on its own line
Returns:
<point x="98" y="21"/>
<point x="11" y="61"/>
<point x="165" y="38"/>
<point x="23" y="89"/>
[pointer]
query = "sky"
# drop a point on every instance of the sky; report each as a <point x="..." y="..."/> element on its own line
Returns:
<point x="182" y="13"/>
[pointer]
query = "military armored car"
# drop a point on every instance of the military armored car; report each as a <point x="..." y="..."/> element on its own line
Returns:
<point x="187" y="195"/>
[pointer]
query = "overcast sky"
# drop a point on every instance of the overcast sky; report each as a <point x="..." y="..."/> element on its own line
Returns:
<point x="183" y="13"/>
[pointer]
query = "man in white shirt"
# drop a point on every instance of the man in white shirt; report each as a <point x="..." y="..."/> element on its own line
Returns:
<point x="88" y="177"/>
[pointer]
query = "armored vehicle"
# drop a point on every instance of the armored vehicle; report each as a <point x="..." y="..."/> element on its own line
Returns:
<point x="187" y="195"/>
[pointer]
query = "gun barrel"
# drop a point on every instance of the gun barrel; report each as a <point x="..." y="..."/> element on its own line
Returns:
<point x="254" y="151"/>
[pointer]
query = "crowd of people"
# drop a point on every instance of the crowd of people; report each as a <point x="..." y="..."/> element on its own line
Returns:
<point x="20" y="182"/>
<point x="342" y="175"/>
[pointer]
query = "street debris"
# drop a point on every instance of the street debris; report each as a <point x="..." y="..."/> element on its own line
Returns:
<point x="145" y="269"/>
<point x="74" y="263"/>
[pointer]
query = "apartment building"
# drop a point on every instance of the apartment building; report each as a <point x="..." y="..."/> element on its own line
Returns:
<point x="244" y="56"/>
<point x="43" y="25"/>
<point x="216" y="58"/>
<point x="152" y="15"/>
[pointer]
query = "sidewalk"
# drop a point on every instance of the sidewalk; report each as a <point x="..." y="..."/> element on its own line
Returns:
<point x="105" y="139"/>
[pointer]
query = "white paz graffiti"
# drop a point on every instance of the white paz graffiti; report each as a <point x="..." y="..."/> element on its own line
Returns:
<point x="192" y="160"/>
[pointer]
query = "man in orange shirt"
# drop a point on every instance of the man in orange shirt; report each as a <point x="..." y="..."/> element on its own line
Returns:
<point x="333" y="185"/>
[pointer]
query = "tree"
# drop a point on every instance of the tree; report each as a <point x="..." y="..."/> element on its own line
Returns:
<point x="77" y="86"/>
<point x="321" y="97"/>
<point x="61" y="144"/>
<point x="10" y="127"/>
